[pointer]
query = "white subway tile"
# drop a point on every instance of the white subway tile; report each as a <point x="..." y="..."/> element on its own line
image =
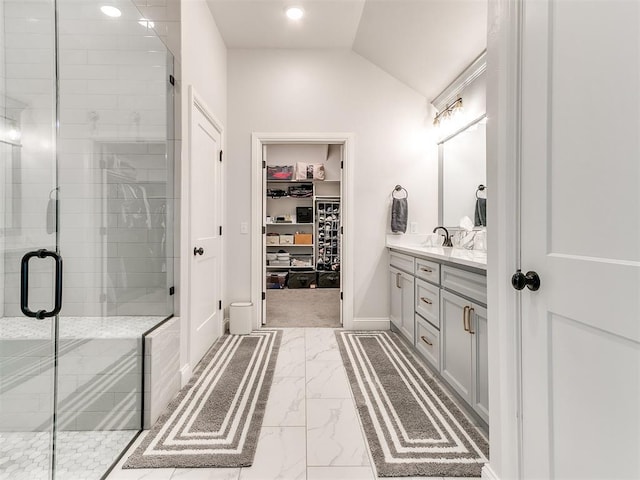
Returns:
<point x="30" y="40"/>
<point x="73" y="57"/>
<point x="87" y="72"/>
<point x="32" y="56"/>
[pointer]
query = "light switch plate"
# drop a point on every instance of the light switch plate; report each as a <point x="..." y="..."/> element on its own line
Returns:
<point x="414" y="227"/>
<point x="244" y="228"/>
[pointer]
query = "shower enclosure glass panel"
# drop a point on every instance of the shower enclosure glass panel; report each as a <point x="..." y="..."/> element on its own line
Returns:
<point x="86" y="147"/>
<point x="27" y="223"/>
<point x="115" y="172"/>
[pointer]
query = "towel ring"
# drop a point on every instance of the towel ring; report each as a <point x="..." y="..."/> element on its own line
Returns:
<point x="399" y="188"/>
<point x="480" y="189"/>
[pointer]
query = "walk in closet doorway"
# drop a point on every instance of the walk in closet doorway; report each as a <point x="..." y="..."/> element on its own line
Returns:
<point x="301" y="216"/>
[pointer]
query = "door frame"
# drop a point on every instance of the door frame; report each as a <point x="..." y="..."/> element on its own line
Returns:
<point x="258" y="141"/>
<point x="195" y="101"/>
<point x="504" y="126"/>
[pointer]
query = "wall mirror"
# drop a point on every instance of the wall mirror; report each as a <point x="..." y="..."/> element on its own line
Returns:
<point x="462" y="159"/>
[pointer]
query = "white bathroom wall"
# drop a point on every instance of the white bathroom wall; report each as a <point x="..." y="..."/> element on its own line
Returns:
<point x="332" y="91"/>
<point x="204" y="66"/>
<point x="204" y="59"/>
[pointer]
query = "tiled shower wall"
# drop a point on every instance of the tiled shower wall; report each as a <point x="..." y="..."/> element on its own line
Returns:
<point x="115" y="166"/>
<point x="4" y="151"/>
<point x="28" y="101"/>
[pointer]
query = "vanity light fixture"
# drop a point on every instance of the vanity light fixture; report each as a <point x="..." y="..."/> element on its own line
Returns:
<point x="9" y="131"/>
<point x="294" y="13"/>
<point x="14" y="135"/>
<point x="448" y="112"/>
<point x="146" y="23"/>
<point x="110" y="11"/>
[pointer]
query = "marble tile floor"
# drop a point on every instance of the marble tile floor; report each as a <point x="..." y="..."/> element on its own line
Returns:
<point x="311" y="430"/>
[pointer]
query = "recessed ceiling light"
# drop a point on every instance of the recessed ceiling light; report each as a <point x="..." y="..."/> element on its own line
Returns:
<point x="295" y="13"/>
<point x="110" y="11"/>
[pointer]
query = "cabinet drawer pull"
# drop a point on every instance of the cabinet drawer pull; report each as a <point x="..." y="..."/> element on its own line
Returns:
<point x="472" y="332"/>
<point x="427" y="270"/>
<point x="426" y="300"/>
<point x="424" y="339"/>
<point x="398" y="275"/>
<point x="465" y="318"/>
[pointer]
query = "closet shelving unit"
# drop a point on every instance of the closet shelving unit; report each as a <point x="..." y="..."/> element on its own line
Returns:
<point x="285" y="206"/>
<point x="282" y="206"/>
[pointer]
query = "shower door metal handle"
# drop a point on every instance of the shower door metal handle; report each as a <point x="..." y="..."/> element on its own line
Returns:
<point x="24" y="284"/>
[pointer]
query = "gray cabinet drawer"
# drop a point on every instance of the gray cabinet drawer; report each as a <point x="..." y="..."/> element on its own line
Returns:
<point x="469" y="284"/>
<point x="401" y="261"/>
<point x="428" y="270"/>
<point x="428" y="342"/>
<point x="428" y="301"/>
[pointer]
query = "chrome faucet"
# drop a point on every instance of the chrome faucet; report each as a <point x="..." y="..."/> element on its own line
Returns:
<point x="447" y="238"/>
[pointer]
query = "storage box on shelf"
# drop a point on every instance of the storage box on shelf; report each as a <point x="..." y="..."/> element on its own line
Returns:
<point x="302" y="260"/>
<point x="280" y="172"/>
<point x="328" y="279"/>
<point x="304" y="214"/>
<point x="273" y="238"/>
<point x="302" y="279"/>
<point x="286" y="239"/>
<point x="276" y="280"/>
<point x="303" y="238"/>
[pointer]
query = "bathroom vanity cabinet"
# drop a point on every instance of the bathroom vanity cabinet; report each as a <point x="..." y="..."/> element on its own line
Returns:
<point x="439" y="305"/>
<point x="402" y="286"/>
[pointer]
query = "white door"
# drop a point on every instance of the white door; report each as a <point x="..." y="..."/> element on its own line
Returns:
<point x="205" y="250"/>
<point x="580" y="231"/>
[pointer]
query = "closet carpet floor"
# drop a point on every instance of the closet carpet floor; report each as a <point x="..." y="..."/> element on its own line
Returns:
<point x="303" y="307"/>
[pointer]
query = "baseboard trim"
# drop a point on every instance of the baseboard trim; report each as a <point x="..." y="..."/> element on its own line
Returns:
<point x="487" y="472"/>
<point x="185" y="374"/>
<point x="372" y="323"/>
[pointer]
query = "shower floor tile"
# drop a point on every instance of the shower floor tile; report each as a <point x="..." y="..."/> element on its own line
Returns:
<point x="77" y="327"/>
<point x="80" y="455"/>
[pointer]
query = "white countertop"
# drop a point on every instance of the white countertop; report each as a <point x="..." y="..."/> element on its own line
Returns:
<point x="414" y="245"/>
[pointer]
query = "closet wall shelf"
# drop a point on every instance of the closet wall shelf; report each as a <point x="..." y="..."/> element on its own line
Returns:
<point x="285" y="224"/>
<point x="272" y="267"/>
<point x="290" y="245"/>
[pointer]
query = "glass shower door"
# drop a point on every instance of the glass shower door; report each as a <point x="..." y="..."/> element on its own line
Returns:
<point x="28" y="217"/>
<point x="115" y="178"/>
<point x="86" y="171"/>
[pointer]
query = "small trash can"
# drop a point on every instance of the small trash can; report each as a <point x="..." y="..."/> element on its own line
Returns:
<point x="240" y="318"/>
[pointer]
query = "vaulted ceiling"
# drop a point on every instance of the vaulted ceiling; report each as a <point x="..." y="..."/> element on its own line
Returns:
<point x="423" y="43"/>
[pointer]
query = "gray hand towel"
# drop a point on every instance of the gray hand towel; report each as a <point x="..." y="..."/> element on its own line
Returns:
<point x="399" y="213"/>
<point x="481" y="213"/>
